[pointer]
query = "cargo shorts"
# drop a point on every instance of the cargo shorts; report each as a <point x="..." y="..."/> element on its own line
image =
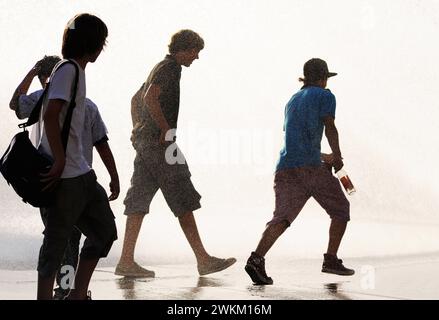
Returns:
<point x="293" y="187"/>
<point x="153" y="172"/>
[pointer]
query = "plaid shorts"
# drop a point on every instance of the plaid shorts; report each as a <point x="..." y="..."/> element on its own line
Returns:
<point x="151" y="173"/>
<point x="293" y="187"/>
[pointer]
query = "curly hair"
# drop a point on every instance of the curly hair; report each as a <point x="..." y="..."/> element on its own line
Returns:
<point x="185" y="40"/>
<point x="46" y="65"/>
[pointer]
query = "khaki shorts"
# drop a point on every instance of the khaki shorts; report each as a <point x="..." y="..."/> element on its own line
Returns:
<point x="293" y="187"/>
<point x="151" y="173"/>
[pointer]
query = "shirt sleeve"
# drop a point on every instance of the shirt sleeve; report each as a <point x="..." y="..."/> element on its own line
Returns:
<point x="61" y="83"/>
<point x="26" y="103"/>
<point x="98" y="128"/>
<point x="327" y="105"/>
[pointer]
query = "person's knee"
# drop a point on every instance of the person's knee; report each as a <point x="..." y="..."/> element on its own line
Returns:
<point x="281" y="225"/>
<point x="340" y="220"/>
<point x="49" y="263"/>
<point x="108" y="241"/>
<point x="186" y="216"/>
<point x="135" y="218"/>
<point x="341" y="214"/>
<point x="112" y="234"/>
<point x="284" y="224"/>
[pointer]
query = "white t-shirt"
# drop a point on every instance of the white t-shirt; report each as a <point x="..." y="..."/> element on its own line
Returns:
<point x="95" y="130"/>
<point x="61" y="87"/>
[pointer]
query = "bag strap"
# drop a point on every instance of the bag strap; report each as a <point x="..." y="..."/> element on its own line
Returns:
<point x="68" y="119"/>
<point x="35" y="114"/>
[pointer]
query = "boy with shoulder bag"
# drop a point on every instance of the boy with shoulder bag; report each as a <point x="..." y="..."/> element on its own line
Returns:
<point x="94" y="136"/>
<point x="79" y="200"/>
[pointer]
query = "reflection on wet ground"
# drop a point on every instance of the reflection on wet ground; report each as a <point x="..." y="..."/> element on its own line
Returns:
<point x="182" y="283"/>
<point x="336" y="290"/>
<point x="292" y="281"/>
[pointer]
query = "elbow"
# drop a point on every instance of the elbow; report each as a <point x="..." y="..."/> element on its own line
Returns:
<point x="101" y="146"/>
<point x="327" y="132"/>
<point x="13" y="105"/>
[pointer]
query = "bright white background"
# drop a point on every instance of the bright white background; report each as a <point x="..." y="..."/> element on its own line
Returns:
<point x="231" y="114"/>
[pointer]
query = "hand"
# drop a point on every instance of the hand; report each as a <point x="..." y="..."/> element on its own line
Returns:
<point x="327" y="158"/>
<point x="114" y="189"/>
<point x="35" y="69"/>
<point x="53" y="176"/>
<point x="337" y="163"/>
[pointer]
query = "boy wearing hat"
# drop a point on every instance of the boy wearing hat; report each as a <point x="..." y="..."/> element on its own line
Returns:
<point x="300" y="173"/>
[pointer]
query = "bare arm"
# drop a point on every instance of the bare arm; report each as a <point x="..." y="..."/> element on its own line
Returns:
<point x="107" y="158"/>
<point x="53" y="132"/>
<point x="151" y="100"/>
<point x="331" y="134"/>
<point x="23" y="87"/>
<point x="135" y="116"/>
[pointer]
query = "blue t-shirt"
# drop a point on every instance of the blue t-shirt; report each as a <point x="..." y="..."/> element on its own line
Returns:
<point x="303" y="127"/>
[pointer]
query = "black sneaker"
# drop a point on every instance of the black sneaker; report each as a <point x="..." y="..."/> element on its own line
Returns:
<point x="331" y="264"/>
<point x="60" y="293"/>
<point x="255" y="268"/>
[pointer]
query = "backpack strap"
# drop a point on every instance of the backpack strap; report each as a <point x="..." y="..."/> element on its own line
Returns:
<point x="35" y="114"/>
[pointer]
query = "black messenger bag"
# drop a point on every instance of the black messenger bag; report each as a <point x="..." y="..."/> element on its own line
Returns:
<point x="22" y="163"/>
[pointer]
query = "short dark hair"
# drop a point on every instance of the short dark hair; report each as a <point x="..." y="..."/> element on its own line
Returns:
<point x="185" y="40"/>
<point x="84" y="34"/>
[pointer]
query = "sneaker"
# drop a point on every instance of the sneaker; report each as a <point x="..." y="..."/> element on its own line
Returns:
<point x="87" y="297"/>
<point x="331" y="264"/>
<point x="215" y="265"/>
<point x="60" y="293"/>
<point x="255" y="268"/>
<point x="133" y="270"/>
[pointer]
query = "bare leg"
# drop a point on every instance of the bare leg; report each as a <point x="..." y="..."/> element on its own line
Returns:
<point x="82" y="278"/>
<point x="336" y="232"/>
<point x="132" y="229"/>
<point x="45" y="287"/>
<point x="189" y="227"/>
<point x="269" y="237"/>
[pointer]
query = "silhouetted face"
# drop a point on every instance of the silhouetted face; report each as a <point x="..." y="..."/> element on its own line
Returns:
<point x="189" y="56"/>
<point x="95" y="56"/>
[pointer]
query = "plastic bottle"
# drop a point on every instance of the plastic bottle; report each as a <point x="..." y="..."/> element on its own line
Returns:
<point x="345" y="181"/>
